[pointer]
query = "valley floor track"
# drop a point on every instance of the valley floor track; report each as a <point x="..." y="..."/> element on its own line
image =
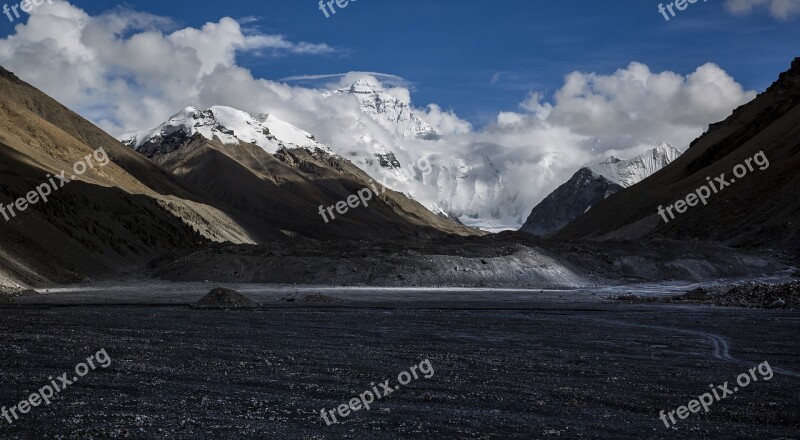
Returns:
<point x="543" y="369"/>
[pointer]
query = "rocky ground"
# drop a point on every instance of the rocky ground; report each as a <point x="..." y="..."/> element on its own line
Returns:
<point x="570" y="365"/>
<point x="750" y="295"/>
<point x="221" y="298"/>
<point x="9" y="293"/>
<point x="774" y="296"/>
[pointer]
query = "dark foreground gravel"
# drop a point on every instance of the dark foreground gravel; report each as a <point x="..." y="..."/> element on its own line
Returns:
<point x="548" y="371"/>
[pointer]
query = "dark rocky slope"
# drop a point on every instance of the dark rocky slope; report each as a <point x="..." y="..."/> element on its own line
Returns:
<point x="584" y="190"/>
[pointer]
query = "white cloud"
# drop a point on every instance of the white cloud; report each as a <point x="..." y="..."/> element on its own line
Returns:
<point x="129" y="71"/>
<point x="125" y="69"/>
<point x="643" y="105"/>
<point x="781" y="9"/>
<point x="444" y="122"/>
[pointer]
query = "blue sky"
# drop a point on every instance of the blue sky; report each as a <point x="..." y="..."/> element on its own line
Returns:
<point x="480" y="57"/>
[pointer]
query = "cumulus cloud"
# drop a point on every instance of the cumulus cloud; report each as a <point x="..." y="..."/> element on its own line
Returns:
<point x="444" y="122"/>
<point x="129" y="71"/>
<point x="123" y="69"/>
<point x="781" y="9"/>
<point x="643" y="105"/>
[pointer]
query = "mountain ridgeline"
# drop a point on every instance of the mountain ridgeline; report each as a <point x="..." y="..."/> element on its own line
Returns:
<point x="192" y="196"/>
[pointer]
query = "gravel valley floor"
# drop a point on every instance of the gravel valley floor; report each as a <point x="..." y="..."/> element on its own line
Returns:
<point x="507" y="364"/>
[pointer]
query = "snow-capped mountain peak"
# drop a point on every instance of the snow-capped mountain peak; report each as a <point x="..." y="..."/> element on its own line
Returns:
<point x="627" y="173"/>
<point x="390" y="112"/>
<point x="363" y="86"/>
<point x="228" y="125"/>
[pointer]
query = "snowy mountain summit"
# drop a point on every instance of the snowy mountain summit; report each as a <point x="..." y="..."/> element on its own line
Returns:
<point x="390" y="112"/>
<point x="626" y="173"/>
<point x="410" y="161"/>
<point x="228" y="125"/>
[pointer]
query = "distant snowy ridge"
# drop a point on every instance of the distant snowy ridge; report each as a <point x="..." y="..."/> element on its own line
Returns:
<point x="231" y="127"/>
<point x="593" y="184"/>
<point x="627" y="173"/>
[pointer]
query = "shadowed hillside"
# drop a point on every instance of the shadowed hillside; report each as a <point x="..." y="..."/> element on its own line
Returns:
<point x="761" y="209"/>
